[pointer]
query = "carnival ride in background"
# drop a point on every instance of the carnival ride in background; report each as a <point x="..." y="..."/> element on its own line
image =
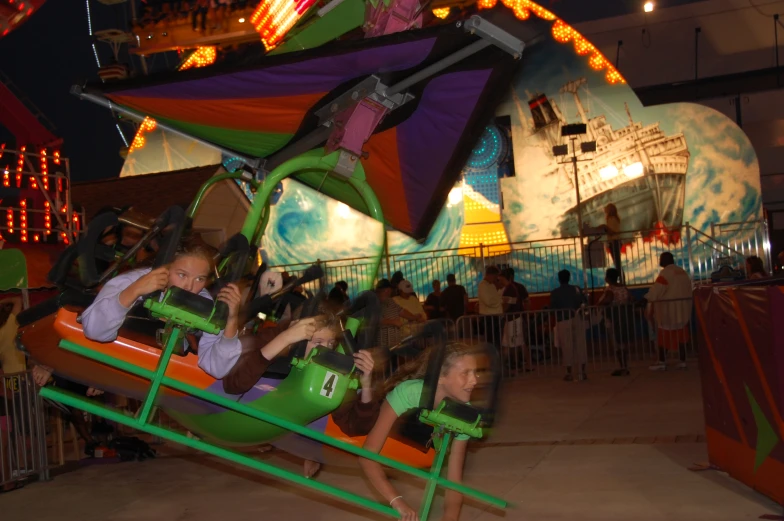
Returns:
<point x="14" y="13"/>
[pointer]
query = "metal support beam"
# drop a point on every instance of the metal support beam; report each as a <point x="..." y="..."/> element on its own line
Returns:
<point x="305" y="144"/>
<point x="729" y="85"/>
<point x="492" y="33"/>
<point x="78" y="91"/>
<point x="489" y="34"/>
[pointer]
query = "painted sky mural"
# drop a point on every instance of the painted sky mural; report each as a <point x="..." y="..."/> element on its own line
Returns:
<point x="662" y="166"/>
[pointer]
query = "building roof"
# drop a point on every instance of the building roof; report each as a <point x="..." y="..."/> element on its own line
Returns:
<point x="150" y="194"/>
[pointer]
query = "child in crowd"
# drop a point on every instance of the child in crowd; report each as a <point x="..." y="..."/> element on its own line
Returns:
<point x="457" y="381"/>
<point x="190" y="270"/>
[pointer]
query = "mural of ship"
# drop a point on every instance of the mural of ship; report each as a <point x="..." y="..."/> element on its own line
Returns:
<point x="638" y="168"/>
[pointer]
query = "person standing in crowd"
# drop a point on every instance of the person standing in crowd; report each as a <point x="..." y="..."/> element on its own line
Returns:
<point x="454" y="298"/>
<point x="670" y="304"/>
<point x="490" y="306"/>
<point x="513" y="340"/>
<point x="567" y="301"/>
<point x="612" y="227"/>
<point x="619" y="318"/>
<point x="755" y="268"/>
<point x="388" y="328"/>
<point x="433" y="302"/>
<point x="396" y="279"/>
<point x="393" y="317"/>
<point x="407" y="301"/>
<point x="339" y="294"/>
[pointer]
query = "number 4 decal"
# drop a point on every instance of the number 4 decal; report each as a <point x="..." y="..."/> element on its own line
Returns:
<point x="329" y="384"/>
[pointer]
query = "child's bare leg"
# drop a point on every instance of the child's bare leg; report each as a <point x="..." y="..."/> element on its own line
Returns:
<point x="311" y="468"/>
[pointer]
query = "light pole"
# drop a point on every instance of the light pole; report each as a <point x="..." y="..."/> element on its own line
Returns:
<point x="573" y="131"/>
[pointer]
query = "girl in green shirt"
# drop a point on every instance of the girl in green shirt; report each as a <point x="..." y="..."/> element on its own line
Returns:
<point x="457" y="380"/>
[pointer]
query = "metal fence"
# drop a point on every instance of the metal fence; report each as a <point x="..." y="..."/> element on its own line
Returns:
<point x="606" y="338"/>
<point x="594" y="339"/>
<point x="746" y="238"/>
<point x="22" y="430"/>
<point x="536" y="263"/>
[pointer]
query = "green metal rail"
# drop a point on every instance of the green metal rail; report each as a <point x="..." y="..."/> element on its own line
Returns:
<point x="274" y="420"/>
<point x="103" y="411"/>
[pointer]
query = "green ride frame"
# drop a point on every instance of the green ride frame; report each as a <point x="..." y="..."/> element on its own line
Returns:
<point x="315" y="160"/>
<point x="253" y="229"/>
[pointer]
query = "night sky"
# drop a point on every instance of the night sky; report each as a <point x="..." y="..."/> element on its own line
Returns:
<point x="51" y="51"/>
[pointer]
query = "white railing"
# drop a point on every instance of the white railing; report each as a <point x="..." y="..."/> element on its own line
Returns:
<point x="536" y="263"/>
<point x="746" y="238"/>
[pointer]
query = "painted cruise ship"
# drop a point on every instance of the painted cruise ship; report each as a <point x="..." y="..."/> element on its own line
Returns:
<point x="637" y="167"/>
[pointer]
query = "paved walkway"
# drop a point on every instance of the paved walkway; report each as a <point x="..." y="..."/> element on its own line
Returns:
<point x="606" y="449"/>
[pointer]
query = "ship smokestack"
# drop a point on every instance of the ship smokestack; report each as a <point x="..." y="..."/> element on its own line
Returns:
<point x="542" y="111"/>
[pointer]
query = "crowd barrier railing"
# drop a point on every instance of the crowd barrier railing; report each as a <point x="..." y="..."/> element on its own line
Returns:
<point x="23" y="446"/>
<point x="593" y="339"/>
<point x="536" y="263"/>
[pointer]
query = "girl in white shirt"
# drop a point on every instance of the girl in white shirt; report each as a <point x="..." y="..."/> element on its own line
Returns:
<point x="190" y="270"/>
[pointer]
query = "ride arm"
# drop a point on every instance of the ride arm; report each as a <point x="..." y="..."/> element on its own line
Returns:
<point x="103" y="319"/>
<point x="453" y="501"/>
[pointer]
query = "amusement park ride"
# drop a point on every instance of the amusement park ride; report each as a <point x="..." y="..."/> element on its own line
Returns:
<point x="354" y="98"/>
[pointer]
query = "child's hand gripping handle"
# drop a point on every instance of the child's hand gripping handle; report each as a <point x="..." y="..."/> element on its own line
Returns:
<point x="367" y="308"/>
<point x="237" y="249"/>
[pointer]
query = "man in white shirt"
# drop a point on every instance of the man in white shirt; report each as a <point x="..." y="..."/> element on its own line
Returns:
<point x="670" y="304"/>
<point x="490" y="307"/>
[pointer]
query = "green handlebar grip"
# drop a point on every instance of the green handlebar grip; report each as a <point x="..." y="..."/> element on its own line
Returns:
<point x="442" y="416"/>
<point x="182" y="308"/>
